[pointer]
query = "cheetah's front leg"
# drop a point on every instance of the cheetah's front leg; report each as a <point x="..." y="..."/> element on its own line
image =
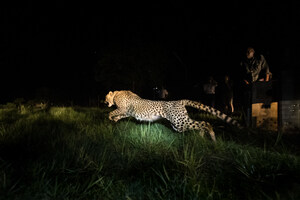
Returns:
<point x="116" y="115"/>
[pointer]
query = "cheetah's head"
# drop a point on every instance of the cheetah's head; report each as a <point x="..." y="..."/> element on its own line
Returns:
<point x="109" y="99"/>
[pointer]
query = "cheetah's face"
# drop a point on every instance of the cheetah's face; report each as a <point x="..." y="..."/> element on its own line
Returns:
<point x="109" y="99"/>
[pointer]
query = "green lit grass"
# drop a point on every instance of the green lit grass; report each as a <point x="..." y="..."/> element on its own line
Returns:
<point x="77" y="153"/>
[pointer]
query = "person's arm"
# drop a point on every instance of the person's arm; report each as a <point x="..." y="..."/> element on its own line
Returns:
<point x="265" y="66"/>
<point x="267" y="77"/>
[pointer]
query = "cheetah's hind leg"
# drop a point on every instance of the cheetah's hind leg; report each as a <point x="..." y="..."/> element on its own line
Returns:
<point x="206" y="127"/>
<point x="203" y="126"/>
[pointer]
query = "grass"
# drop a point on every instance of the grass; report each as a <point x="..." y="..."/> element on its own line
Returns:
<point x="77" y="153"/>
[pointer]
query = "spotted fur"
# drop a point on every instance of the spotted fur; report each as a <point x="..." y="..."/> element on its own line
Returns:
<point x="129" y="104"/>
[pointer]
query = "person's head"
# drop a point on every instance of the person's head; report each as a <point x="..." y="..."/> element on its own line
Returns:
<point x="250" y="52"/>
<point x="210" y="79"/>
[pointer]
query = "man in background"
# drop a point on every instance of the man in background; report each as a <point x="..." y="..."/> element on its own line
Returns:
<point x="256" y="67"/>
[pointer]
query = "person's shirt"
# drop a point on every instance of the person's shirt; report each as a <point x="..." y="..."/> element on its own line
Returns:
<point x="256" y="68"/>
<point x="226" y="88"/>
<point x="210" y="88"/>
<point x="164" y="94"/>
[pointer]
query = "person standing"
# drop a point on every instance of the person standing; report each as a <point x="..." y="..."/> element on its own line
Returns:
<point x="225" y="90"/>
<point x="255" y="69"/>
<point x="209" y="89"/>
<point x="163" y="93"/>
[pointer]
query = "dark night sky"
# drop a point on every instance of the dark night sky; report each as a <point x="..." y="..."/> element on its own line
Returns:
<point x="55" y="45"/>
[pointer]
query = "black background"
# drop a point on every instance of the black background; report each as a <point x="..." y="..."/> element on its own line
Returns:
<point x="55" y="45"/>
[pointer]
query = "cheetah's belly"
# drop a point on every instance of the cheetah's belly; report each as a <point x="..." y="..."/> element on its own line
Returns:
<point x="151" y="118"/>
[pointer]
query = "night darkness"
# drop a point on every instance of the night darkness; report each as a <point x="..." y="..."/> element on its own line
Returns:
<point x="55" y="47"/>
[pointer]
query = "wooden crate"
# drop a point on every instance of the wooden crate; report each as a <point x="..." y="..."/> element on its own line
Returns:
<point x="265" y="117"/>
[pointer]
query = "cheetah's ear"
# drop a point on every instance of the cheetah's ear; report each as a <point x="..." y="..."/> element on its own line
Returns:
<point x="110" y="93"/>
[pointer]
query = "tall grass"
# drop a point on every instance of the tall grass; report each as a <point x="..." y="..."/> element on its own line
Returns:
<point x="77" y="153"/>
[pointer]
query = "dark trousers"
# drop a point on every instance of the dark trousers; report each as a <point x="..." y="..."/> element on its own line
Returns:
<point x="210" y="100"/>
<point x="247" y="105"/>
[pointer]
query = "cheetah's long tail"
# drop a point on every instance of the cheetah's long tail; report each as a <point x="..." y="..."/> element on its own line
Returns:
<point x="213" y="111"/>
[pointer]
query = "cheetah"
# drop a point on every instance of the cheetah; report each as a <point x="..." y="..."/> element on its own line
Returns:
<point x="130" y="104"/>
